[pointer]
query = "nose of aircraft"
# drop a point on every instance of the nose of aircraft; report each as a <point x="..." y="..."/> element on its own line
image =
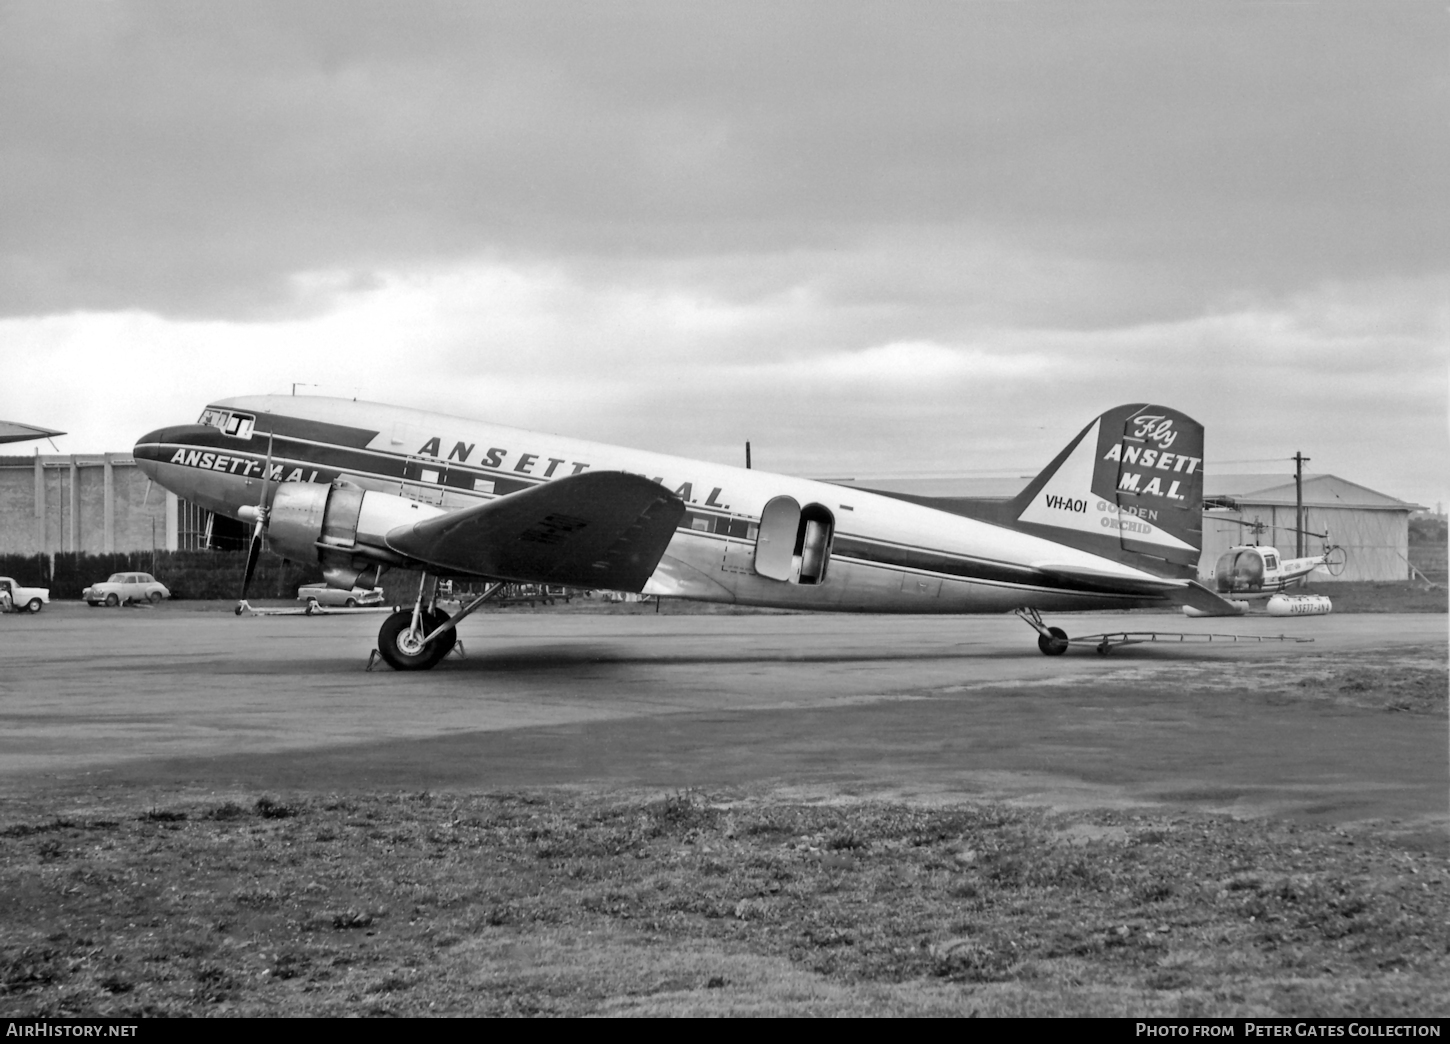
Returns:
<point x="149" y="448"/>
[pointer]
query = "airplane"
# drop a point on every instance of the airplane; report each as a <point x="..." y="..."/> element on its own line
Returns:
<point x="1114" y="521"/>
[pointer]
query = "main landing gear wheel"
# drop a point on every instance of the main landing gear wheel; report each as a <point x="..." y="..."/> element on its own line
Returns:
<point x="404" y="650"/>
<point x="1055" y="645"/>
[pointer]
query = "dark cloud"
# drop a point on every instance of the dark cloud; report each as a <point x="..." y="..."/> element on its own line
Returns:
<point x="192" y="159"/>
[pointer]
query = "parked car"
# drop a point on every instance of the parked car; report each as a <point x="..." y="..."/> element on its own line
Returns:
<point x="335" y="596"/>
<point x="27" y="599"/>
<point x="126" y="587"/>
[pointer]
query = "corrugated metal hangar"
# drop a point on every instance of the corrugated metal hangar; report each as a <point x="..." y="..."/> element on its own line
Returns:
<point x="1373" y="528"/>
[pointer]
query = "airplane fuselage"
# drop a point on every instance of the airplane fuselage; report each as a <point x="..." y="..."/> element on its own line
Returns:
<point x="747" y="536"/>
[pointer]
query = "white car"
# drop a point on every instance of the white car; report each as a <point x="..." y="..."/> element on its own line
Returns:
<point x="125" y="587"/>
<point x="333" y="596"/>
<point x="27" y="599"/>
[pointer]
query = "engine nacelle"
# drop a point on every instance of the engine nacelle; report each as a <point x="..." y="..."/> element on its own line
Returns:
<point x="341" y="526"/>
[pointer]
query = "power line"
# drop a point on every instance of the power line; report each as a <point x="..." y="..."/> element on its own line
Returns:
<point x="1257" y="460"/>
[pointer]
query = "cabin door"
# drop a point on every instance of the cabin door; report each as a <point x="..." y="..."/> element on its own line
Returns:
<point x="775" y="544"/>
<point x="794" y="544"/>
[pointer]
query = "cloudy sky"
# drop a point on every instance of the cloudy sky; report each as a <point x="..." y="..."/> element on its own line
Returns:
<point x="872" y="238"/>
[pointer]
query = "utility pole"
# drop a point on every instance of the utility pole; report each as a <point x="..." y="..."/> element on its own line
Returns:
<point x="1299" y="461"/>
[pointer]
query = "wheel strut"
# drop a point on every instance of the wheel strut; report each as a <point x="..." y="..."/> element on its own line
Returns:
<point x="417" y="639"/>
<point x="1052" y="641"/>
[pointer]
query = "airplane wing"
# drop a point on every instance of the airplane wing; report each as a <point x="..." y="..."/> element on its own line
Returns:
<point x="603" y="529"/>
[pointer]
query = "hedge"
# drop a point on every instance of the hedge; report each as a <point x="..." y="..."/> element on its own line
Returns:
<point x="187" y="574"/>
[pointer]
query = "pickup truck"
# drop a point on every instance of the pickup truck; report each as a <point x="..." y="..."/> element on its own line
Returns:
<point x="26" y="599"/>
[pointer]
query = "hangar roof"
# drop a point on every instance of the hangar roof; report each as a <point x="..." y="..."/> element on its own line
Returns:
<point x="1319" y="490"/>
<point x="985" y="487"/>
<point x="1323" y="491"/>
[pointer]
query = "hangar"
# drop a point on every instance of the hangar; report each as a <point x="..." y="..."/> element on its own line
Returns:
<point x="91" y="503"/>
<point x="1373" y="528"/>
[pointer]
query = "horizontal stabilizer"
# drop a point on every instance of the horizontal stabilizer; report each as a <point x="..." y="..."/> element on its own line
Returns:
<point x="1082" y="578"/>
<point x="1198" y="600"/>
<point x="604" y="529"/>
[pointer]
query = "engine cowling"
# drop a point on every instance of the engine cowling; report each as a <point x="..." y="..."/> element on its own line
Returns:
<point x="342" y="527"/>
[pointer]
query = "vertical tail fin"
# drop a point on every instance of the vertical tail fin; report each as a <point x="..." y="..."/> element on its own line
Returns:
<point x="1129" y="488"/>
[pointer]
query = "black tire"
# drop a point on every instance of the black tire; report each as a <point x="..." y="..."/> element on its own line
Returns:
<point x="351" y="603"/>
<point x="112" y="600"/>
<point x="154" y="597"/>
<point x="34" y="605"/>
<point x="1055" y="645"/>
<point x="394" y="643"/>
<point x="92" y="604"/>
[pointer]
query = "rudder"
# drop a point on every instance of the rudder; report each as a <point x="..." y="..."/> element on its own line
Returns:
<point x="1129" y="488"/>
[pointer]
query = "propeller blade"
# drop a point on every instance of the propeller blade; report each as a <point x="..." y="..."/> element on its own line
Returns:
<point x="266" y="476"/>
<point x="252" y="552"/>
<point x="255" y="548"/>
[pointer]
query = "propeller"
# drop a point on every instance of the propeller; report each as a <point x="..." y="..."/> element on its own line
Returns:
<point x="259" y="514"/>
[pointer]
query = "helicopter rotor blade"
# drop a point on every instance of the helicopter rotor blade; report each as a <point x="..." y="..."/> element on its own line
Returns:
<point x="1259" y="527"/>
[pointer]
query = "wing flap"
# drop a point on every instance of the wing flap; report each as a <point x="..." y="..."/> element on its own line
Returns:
<point x="604" y="529"/>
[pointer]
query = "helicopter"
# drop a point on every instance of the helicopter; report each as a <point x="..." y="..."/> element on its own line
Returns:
<point x="1250" y="571"/>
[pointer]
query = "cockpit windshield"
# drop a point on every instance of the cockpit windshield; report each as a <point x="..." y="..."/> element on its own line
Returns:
<point x="1241" y="569"/>
<point x="238" y="425"/>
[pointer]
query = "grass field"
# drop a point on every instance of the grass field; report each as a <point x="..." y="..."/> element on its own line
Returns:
<point x="565" y="904"/>
<point x="148" y="901"/>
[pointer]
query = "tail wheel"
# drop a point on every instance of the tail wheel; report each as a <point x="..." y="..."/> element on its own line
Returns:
<point x="1055" y="645"/>
<point x="404" y="650"/>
